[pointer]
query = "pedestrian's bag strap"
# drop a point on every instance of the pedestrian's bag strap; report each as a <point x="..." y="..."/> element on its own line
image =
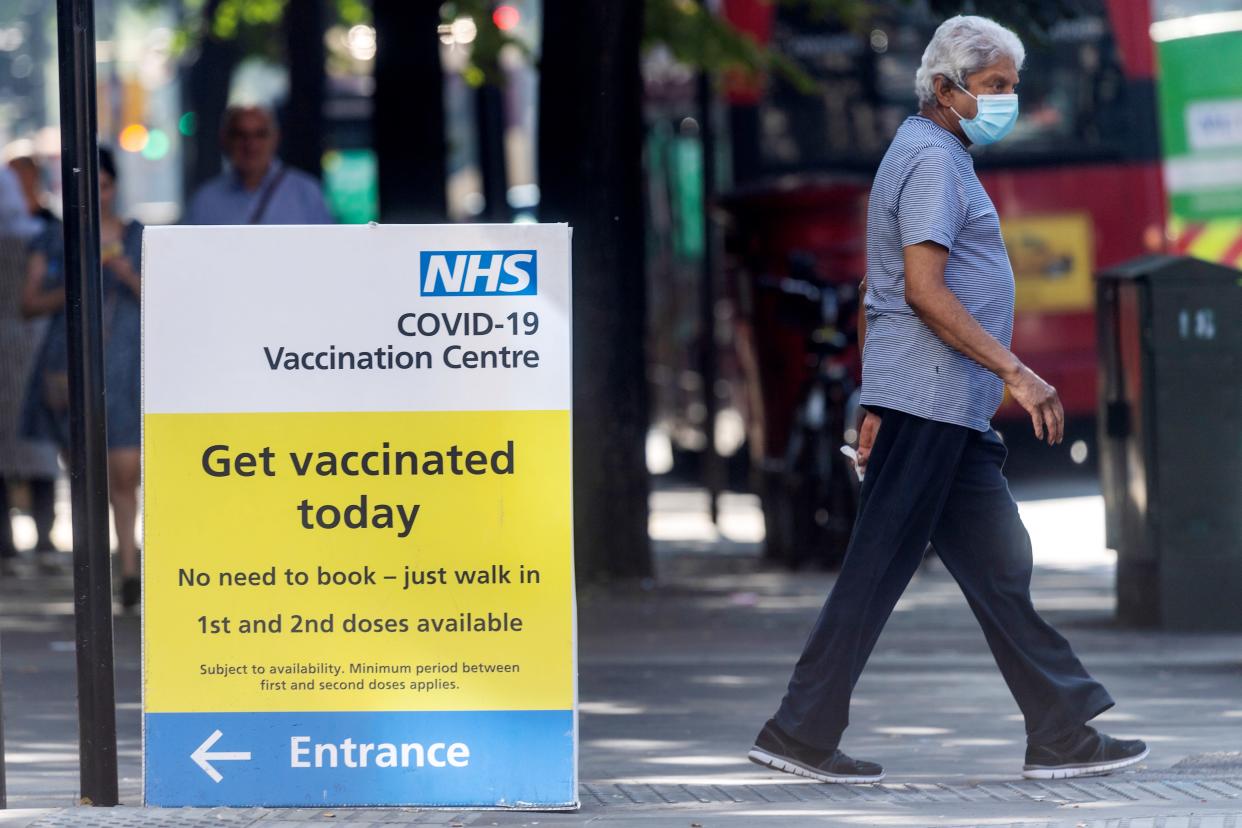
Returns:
<point x="265" y="199"/>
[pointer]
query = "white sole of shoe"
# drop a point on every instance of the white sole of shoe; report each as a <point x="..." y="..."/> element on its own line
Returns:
<point x="761" y="757"/>
<point x="1071" y="771"/>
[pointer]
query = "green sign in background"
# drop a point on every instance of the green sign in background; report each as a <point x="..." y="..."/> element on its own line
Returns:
<point x="1207" y="71"/>
<point x="350" y="184"/>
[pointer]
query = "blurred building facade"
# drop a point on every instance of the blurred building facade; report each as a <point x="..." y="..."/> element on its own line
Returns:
<point x="145" y="48"/>
<point x="1091" y="136"/>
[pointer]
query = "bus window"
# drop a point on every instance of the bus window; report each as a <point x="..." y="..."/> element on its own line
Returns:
<point x="1076" y="101"/>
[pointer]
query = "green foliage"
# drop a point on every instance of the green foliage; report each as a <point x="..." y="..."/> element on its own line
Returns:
<point x="698" y="38"/>
<point x="353" y="12"/>
<point x="484" y="63"/>
<point x="692" y="35"/>
<point x="253" y="24"/>
<point x="232" y="15"/>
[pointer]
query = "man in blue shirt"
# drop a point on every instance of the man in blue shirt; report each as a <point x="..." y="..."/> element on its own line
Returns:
<point x="257" y="188"/>
<point x="938" y="319"/>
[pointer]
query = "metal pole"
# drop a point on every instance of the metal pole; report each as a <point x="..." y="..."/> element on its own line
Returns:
<point x="88" y="450"/>
<point x="4" y="793"/>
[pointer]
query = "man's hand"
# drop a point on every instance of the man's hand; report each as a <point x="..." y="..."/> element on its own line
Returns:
<point x="866" y="439"/>
<point x="1042" y="402"/>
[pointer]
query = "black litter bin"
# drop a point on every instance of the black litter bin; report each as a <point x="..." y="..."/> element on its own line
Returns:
<point x="1170" y="420"/>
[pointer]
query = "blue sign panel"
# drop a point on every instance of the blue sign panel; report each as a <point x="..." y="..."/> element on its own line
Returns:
<point x="510" y="759"/>
<point x="479" y="273"/>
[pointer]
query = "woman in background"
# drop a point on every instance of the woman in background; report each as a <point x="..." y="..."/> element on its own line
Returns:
<point x="46" y="410"/>
<point x="31" y="463"/>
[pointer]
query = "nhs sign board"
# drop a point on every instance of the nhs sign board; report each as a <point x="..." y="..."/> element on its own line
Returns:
<point x="478" y="273"/>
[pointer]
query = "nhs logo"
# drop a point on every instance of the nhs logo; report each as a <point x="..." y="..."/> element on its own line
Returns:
<point x="478" y="273"/>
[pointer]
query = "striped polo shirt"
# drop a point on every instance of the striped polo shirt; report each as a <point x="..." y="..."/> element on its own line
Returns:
<point x="926" y="190"/>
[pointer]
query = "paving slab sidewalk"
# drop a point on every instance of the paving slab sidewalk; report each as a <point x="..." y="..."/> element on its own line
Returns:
<point x="678" y="674"/>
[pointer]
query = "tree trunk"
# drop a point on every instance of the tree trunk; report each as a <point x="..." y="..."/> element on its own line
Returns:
<point x="206" y="95"/>
<point x="490" y="129"/>
<point x="302" y="133"/>
<point x="590" y="169"/>
<point x="409" y="112"/>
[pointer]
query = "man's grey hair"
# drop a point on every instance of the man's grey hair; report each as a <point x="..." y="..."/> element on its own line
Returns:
<point x="962" y="46"/>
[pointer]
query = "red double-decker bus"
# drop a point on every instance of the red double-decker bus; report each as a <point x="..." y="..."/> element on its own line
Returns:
<point x="1077" y="184"/>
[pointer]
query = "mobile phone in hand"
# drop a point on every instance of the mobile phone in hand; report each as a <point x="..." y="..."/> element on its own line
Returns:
<point x="851" y="453"/>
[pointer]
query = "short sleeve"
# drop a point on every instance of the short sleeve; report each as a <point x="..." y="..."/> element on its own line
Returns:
<point x="932" y="203"/>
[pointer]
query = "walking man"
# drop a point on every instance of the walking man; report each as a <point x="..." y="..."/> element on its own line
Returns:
<point x="938" y="319"/>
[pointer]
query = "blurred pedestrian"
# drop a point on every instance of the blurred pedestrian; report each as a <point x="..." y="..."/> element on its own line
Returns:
<point x="47" y="401"/>
<point x="31" y="463"/>
<point x="29" y="174"/>
<point x="256" y="188"/>
<point x="939" y="294"/>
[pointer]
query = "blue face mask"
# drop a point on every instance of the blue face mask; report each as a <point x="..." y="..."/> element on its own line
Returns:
<point x="995" y="118"/>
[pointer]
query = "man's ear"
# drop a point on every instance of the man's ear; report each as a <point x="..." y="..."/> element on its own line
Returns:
<point x="944" y="90"/>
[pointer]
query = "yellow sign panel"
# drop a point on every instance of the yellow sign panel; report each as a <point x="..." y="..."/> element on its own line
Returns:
<point x="387" y="580"/>
<point x="1053" y="257"/>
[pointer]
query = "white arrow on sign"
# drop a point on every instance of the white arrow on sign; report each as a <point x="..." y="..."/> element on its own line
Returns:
<point x="204" y="759"/>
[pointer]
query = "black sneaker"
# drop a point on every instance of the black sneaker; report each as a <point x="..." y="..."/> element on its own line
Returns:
<point x="1085" y="752"/>
<point x="776" y="749"/>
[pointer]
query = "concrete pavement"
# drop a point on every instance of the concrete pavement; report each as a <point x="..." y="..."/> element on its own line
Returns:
<point x="678" y="674"/>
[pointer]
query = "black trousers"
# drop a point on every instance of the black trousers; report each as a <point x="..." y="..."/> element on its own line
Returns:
<point x="934" y="481"/>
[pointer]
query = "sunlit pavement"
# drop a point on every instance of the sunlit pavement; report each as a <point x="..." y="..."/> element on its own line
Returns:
<point x="677" y="674"/>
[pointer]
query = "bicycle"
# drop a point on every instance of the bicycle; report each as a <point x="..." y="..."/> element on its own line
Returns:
<point x="812" y="509"/>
